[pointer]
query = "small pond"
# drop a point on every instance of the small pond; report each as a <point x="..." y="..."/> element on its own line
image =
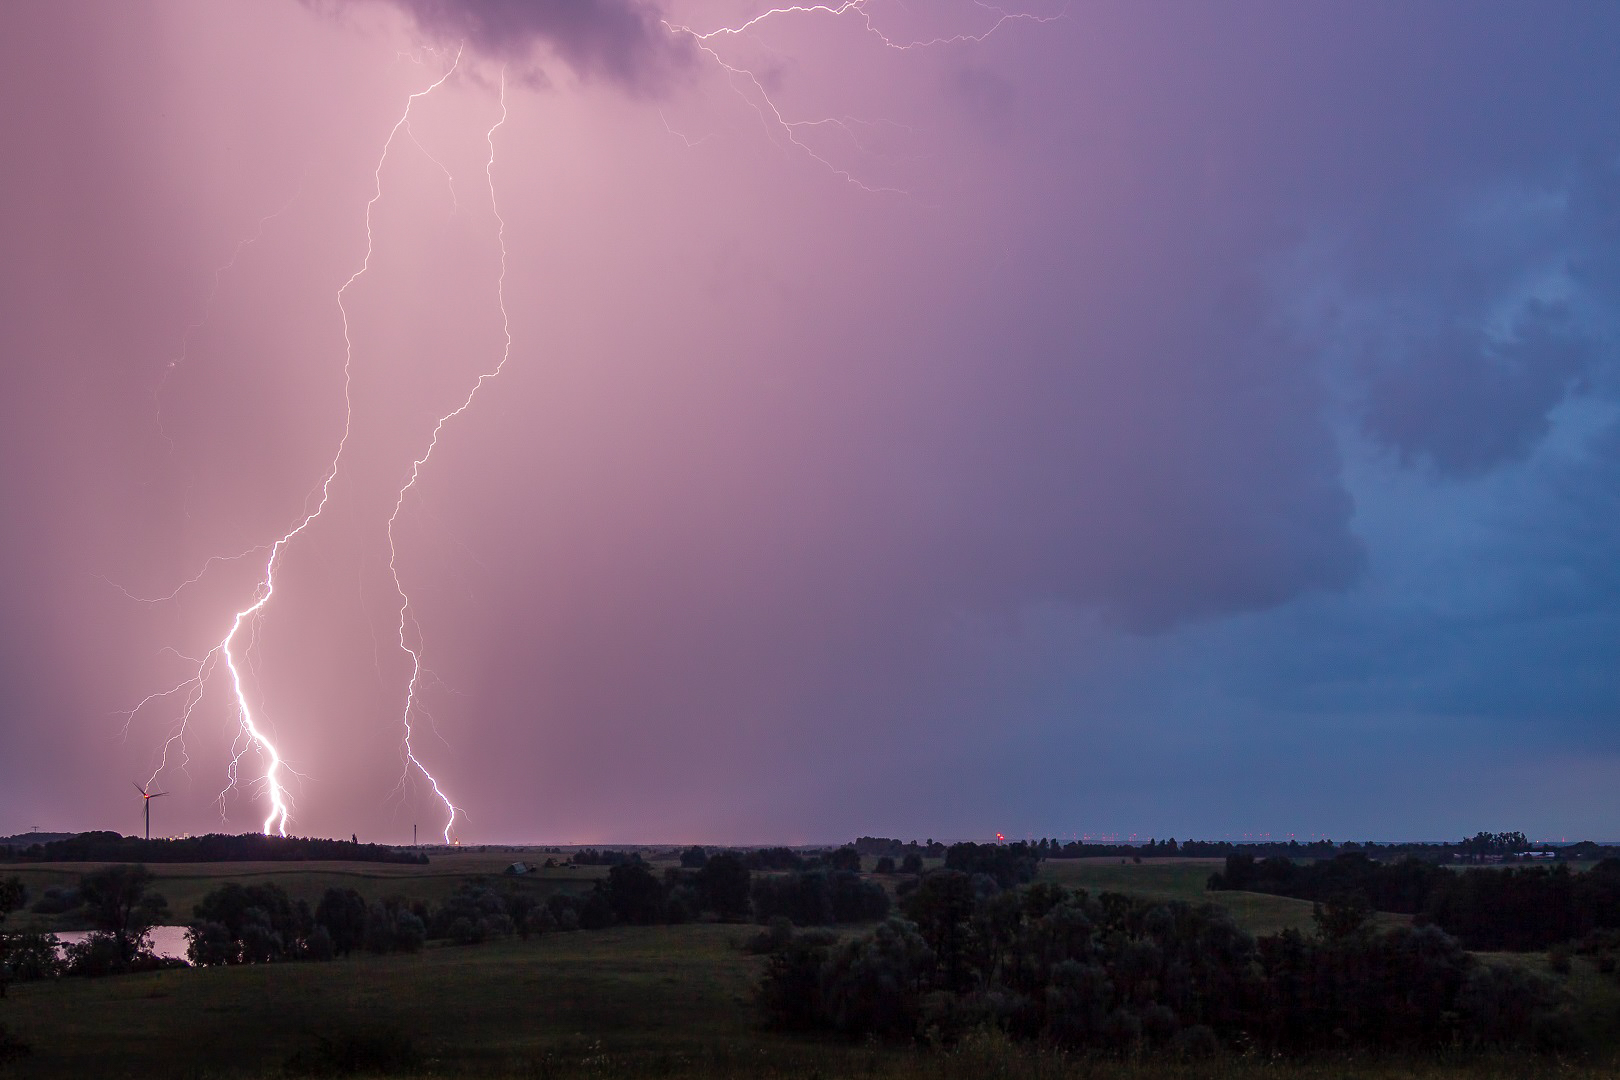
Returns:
<point x="168" y="941"/>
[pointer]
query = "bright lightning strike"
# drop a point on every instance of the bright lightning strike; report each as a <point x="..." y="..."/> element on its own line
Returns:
<point x="235" y="649"/>
<point x="759" y="98"/>
<point x="859" y="7"/>
<point x="251" y="736"/>
<point x="405" y="617"/>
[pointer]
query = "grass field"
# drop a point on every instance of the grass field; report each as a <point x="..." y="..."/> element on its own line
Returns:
<point x="662" y="1001"/>
<point x="1183" y="879"/>
<point x="629" y="1002"/>
<point x="183" y="885"/>
<point x="640" y="991"/>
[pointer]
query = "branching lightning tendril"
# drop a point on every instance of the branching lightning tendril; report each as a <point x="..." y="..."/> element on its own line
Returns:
<point x="759" y="98"/>
<point x="251" y="736"/>
<point x="415" y="652"/>
<point x="231" y="650"/>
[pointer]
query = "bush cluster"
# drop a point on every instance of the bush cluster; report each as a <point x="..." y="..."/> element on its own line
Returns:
<point x="255" y="924"/>
<point x="238" y="924"/>
<point x="819" y="898"/>
<point x="111" y="847"/>
<point x="1120" y="973"/>
<point x="1510" y="908"/>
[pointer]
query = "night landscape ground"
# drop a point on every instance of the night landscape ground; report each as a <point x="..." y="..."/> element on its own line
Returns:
<point x="626" y="1001"/>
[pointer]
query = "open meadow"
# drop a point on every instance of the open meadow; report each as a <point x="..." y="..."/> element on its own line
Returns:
<point x="1183" y="879"/>
<point x="620" y="1002"/>
<point x="184" y="885"/>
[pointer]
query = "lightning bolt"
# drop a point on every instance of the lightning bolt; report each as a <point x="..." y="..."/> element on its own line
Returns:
<point x="771" y="114"/>
<point x="251" y="735"/>
<point x="235" y="650"/>
<point x="405" y="616"/>
<point x="859" y="8"/>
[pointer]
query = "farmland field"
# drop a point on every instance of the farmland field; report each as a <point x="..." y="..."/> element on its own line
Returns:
<point x="1183" y="879"/>
<point x="625" y="1002"/>
<point x="183" y="885"/>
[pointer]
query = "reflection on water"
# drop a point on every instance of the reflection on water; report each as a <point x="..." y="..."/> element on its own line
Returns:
<point x="166" y="941"/>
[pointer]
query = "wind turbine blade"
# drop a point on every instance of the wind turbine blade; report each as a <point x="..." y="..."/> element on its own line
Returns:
<point x="157" y="795"/>
<point x="140" y="789"/>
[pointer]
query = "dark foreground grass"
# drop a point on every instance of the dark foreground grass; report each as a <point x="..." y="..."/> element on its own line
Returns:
<point x="184" y="885"/>
<point x="626" y="1003"/>
<point x="642" y="990"/>
<point x="1184" y="879"/>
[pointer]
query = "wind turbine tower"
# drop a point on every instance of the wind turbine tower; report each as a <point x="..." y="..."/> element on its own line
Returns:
<point x="146" y="803"/>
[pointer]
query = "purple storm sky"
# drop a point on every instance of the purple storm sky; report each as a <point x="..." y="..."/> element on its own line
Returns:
<point x="1150" y="418"/>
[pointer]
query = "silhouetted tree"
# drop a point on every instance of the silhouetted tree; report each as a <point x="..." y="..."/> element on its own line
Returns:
<point x="117" y="901"/>
<point x="845" y="858"/>
<point x="724" y="885"/>
<point x="635" y="895"/>
<point x="12" y="896"/>
<point x="343" y="913"/>
<point x="942" y="908"/>
<point x="248" y="924"/>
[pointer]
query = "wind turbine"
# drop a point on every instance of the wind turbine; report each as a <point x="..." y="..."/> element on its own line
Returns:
<point x="146" y="802"/>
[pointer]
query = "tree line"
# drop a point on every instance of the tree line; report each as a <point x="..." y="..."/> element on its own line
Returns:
<point x="1118" y="973"/>
<point x="1508" y="908"/>
<point x="1482" y="846"/>
<point x="110" y="847"/>
<point x="261" y="923"/>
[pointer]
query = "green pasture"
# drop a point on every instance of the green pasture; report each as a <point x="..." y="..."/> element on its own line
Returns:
<point x="1183" y="879"/>
<point x="630" y="1003"/>
<point x="184" y="885"/>
<point x="636" y="991"/>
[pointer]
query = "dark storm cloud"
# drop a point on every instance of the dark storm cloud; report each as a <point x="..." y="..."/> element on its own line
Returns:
<point x="1224" y="437"/>
<point x="1161" y="470"/>
<point x="1469" y="404"/>
<point x="620" y="40"/>
<point x="1473" y="360"/>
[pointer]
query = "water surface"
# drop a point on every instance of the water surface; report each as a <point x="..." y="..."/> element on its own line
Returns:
<point x="165" y="941"/>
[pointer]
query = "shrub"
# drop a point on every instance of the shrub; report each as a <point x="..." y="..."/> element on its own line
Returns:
<point x="57" y="900"/>
<point x="391" y="927"/>
<point x="775" y="937"/>
<point x="724" y="886"/>
<point x="872" y="985"/>
<point x="32" y="955"/>
<point x="342" y="914"/>
<point x="1502" y="1002"/>
<point x="104" y="954"/>
<point x="1195" y="1043"/>
<point x="635" y="895"/>
<point x="252" y="924"/>
<point x="357" y="1053"/>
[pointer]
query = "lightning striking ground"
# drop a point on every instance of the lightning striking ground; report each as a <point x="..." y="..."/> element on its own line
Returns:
<point x="235" y="649"/>
<point x="251" y="735"/>
<point x="405" y="616"/>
